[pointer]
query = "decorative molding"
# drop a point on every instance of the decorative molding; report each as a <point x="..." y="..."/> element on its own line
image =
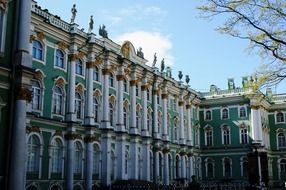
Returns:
<point x="164" y="96"/>
<point x="72" y="136"/>
<point x="60" y="82"/>
<point x="72" y="57"/>
<point x="133" y="82"/>
<point x="181" y="103"/>
<point x="89" y="64"/>
<point x="90" y="138"/>
<point x="98" y="61"/>
<point x="144" y="87"/>
<point x="190" y="154"/>
<point x="32" y="38"/>
<point x="58" y="133"/>
<point x="120" y="77"/>
<point x="255" y="107"/>
<point x="34" y="129"/>
<point x="40" y="35"/>
<point x="156" y="91"/>
<point x="79" y="88"/>
<point x="24" y="94"/>
<point x="166" y="150"/>
<point x="188" y="106"/>
<point x="81" y="55"/>
<point x="106" y="72"/>
<point x="38" y="75"/>
<point x="62" y="45"/>
<point x="126" y="71"/>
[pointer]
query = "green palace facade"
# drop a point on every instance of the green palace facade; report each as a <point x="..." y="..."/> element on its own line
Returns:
<point x="89" y="112"/>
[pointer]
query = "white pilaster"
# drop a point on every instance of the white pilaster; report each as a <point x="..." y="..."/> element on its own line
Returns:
<point x="191" y="172"/>
<point x="145" y="131"/>
<point x="146" y="159"/>
<point x="134" y="158"/>
<point x="105" y="123"/>
<point x="120" y="146"/>
<point x="70" y="115"/>
<point x="166" y="169"/>
<point x="89" y="117"/>
<point x="157" y="167"/>
<point x="165" y="117"/>
<point x="189" y="126"/>
<point x="89" y="162"/>
<point x="181" y="123"/>
<point x="156" y="134"/>
<point x="256" y="125"/>
<point x="120" y="124"/>
<point x="133" y="127"/>
<point x="183" y="168"/>
<point x="106" y="159"/>
<point x="70" y="160"/>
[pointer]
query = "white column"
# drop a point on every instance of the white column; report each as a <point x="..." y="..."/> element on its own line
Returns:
<point x="70" y="115"/>
<point x="155" y="113"/>
<point x="166" y="169"/>
<point x="89" y="117"/>
<point x="89" y="162"/>
<point x="189" y="126"/>
<point x="146" y="159"/>
<point x="105" y="123"/>
<point x="120" y="123"/>
<point x="165" y="117"/>
<point x="191" y="172"/>
<point x="106" y="159"/>
<point x="157" y="166"/>
<point x="183" y="167"/>
<point x="181" y="122"/>
<point x="134" y="158"/>
<point x="256" y="124"/>
<point x="133" y="127"/>
<point x="17" y="174"/>
<point x="70" y="161"/>
<point x="145" y="131"/>
<point x="120" y="146"/>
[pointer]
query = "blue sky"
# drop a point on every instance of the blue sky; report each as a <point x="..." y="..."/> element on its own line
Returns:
<point x="174" y="30"/>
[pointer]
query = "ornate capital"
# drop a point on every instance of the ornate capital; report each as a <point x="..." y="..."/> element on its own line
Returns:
<point x="166" y="150"/>
<point x="81" y="55"/>
<point x="144" y="87"/>
<point x="156" y="91"/>
<point x="89" y="139"/>
<point x="120" y="77"/>
<point x="72" y="57"/>
<point x="34" y="129"/>
<point x="133" y="82"/>
<point x="189" y="154"/>
<point x="98" y="61"/>
<point x="58" y="133"/>
<point x="62" y="45"/>
<point x="72" y="136"/>
<point x="182" y="152"/>
<point x="188" y="106"/>
<point x="32" y="37"/>
<point x="255" y="107"/>
<point x="40" y="35"/>
<point x="89" y="64"/>
<point x="164" y="96"/>
<point x="60" y="82"/>
<point x="105" y="72"/>
<point x="181" y="103"/>
<point x="24" y="94"/>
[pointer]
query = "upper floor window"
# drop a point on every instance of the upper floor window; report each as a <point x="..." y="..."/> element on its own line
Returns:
<point x="282" y="167"/>
<point x="280" y="117"/>
<point x="242" y="111"/>
<point x="208" y="115"/>
<point x="224" y="113"/>
<point x="243" y="136"/>
<point x="243" y="167"/>
<point x="111" y="114"/>
<point x="137" y="90"/>
<point x="34" y="147"/>
<point x="3" y="14"/>
<point x="37" y="51"/>
<point x="281" y="140"/>
<point x="96" y="161"/>
<point x="58" y="100"/>
<point x="125" y="117"/>
<point x="60" y="59"/>
<point x="227" y="167"/>
<point x="148" y="95"/>
<point x="208" y="136"/>
<point x="95" y="109"/>
<point x="225" y="135"/>
<point x="36" y="95"/>
<point x="78" y="67"/>
<point x="111" y="80"/>
<point x="125" y="86"/>
<point x="149" y="121"/>
<point x="78" y="105"/>
<point x="210" y="168"/>
<point x="95" y="74"/>
<point x="57" y="156"/>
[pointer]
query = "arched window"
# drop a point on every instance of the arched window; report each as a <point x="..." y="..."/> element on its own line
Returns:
<point x="96" y="161"/>
<point x="176" y="130"/>
<point x="159" y="122"/>
<point x="78" y="156"/>
<point x="111" y="113"/>
<point x="126" y="163"/>
<point x="56" y="156"/>
<point x="79" y="67"/>
<point x="149" y="121"/>
<point x="161" y="167"/>
<point x="280" y="117"/>
<point x="244" y="166"/>
<point x="95" y="74"/>
<point x="125" y="117"/>
<point x="282" y="169"/>
<point x="151" y="166"/>
<point x="78" y="105"/>
<point x="137" y="90"/>
<point x="225" y="135"/>
<point x="112" y="165"/>
<point x="58" y="100"/>
<point x="36" y="94"/>
<point x="95" y="109"/>
<point x="281" y="140"/>
<point x="242" y="112"/>
<point x="148" y="94"/>
<point x="210" y="168"/>
<point x="34" y="148"/>
<point x="208" y="136"/>
<point x="243" y="135"/>
<point x="60" y="59"/>
<point x="56" y="187"/>
<point x="226" y="167"/>
<point x="208" y="115"/>
<point x="37" y="51"/>
<point x="32" y="187"/>
<point x="111" y="80"/>
<point x="225" y="113"/>
<point x="177" y="166"/>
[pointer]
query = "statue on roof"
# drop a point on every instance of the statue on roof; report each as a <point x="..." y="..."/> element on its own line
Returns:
<point x="168" y="72"/>
<point x="73" y="11"/>
<point x="180" y="75"/>
<point x="140" y="53"/>
<point x="103" y="32"/>
<point x="187" y="79"/>
<point x="162" y="64"/>
<point x="90" y="24"/>
<point x="154" y="60"/>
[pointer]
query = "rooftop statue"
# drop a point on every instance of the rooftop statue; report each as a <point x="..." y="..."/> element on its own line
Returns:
<point x="154" y="60"/>
<point x="140" y="53"/>
<point x="180" y="75"/>
<point x="90" y="24"/>
<point x="162" y="64"/>
<point x="73" y="11"/>
<point x="187" y="79"/>
<point x="103" y="32"/>
<point x="168" y="72"/>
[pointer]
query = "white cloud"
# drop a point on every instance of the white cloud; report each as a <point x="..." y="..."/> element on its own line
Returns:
<point x="150" y="42"/>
